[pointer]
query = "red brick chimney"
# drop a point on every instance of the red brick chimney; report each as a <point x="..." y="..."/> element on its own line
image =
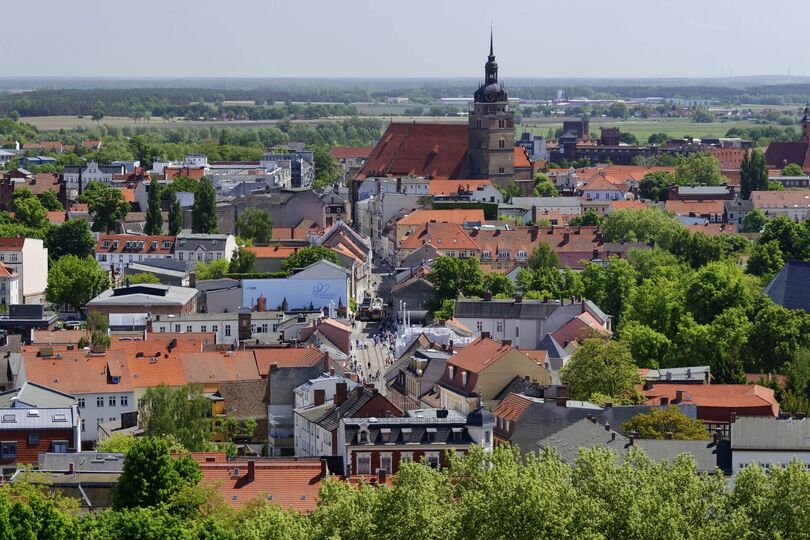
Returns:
<point x="251" y="473"/>
<point x="340" y="393"/>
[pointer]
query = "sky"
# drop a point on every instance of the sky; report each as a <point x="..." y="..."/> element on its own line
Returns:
<point x="417" y="38"/>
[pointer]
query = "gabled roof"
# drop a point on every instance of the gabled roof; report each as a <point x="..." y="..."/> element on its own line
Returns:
<point x="287" y="358"/>
<point x="356" y="399"/>
<point x="78" y="372"/>
<point x="600" y="183"/>
<point x="780" y="154"/>
<point x="725" y="396"/>
<point x="35" y="395"/>
<point x="762" y="433"/>
<point x="440" y="235"/>
<point x="343" y="152"/>
<point x="790" y="288"/>
<point x="452" y="187"/>
<point x="455" y="215"/>
<point x="522" y="160"/>
<point x="687" y="207"/>
<point x="214" y="367"/>
<point x="434" y="150"/>
<point x="6" y="272"/>
<point x="479" y="355"/>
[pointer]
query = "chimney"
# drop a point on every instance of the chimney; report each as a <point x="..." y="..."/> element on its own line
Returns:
<point x="566" y="237"/>
<point x="518" y="299"/>
<point x="612" y="435"/>
<point x="608" y="405"/>
<point x="340" y="393"/>
<point x="320" y="396"/>
<point x="450" y="346"/>
<point x="261" y="304"/>
<point x="381" y="476"/>
<point x="71" y="468"/>
<point x="669" y="435"/>
<point x="192" y="279"/>
<point x="717" y="435"/>
<point x="633" y="436"/>
<point x="561" y="401"/>
<point x="607" y="426"/>
<point x="251" y="473"/>
<point x="324" y="469"/>
<point x="534" y="215"/>
<point x="678" y="396"/>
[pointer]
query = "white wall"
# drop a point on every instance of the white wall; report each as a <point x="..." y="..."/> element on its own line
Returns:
<point x="771" y="458"/>
<point x="300" y="293"/>
<point x="34" y="274"/>
<point x="92" y="414"/>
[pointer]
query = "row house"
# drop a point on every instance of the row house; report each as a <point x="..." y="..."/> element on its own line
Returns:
<point x="379" y="445"/>
<point x="697" y="212"/>
<point x="204" y="247"/>
<point x="35" y="419"/>
<point x="77" y="178"/>
<point x="115" y="251"/>
<point x="28" y="258"/>
<point x="448" y="239"/>
<point x="413" y="221"/>
<point x="793" y="204"/>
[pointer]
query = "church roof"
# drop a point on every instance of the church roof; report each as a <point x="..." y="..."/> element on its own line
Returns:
<point x="431" y="150"/>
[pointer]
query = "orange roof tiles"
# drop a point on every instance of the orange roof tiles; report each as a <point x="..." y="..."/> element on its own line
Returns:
<point x="150" y="370"/>
<point x="12" y="243"/>
<point x="456" y="215"/>
<point x="290" y="483"/>
<point x="512" y="407"/>
<point x="344" y="152"/>
<point x="117" y="243"/>
<point x="5" y="272"/>
<point x="766" y="200"/>
<point x="624" y="205"/>
<point x="479" y="355"/>
<point x="700" y="208"/>
<point x="288" y="357"/>
<point x="717" y="395"/>
<point x="271" y="252"/>
<point x="442" y="236"/>
<point x="77" y="371"/>
<point x="452" y="187"/>
<point x="57" y="216"/>
<point x="215" y="367"/>
<point x="713" y="229"/>
<point x="434" y="150"/>
<point x="601" y="183"/>
<point x="538" y="355"/>
<point x="521" y="159"/>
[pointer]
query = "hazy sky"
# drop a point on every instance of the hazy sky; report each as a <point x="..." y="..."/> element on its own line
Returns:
<point x="417" y="38"/>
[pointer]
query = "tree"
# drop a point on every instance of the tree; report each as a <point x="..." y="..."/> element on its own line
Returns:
<point x="151" y="476"/>
<point x="753" y="173"/>
<point x="776" y="335"/>
<point x="754" y="221"/>
<point x="544" y="187"/>
<point x="658" y="138"/>
<point x="327" y="169"/>
<point x="699" y="168"/>
<point x="619" y="109"/>
<point x="510" y="190"/>
<point x="647" y="346"/>
<point x="655" y="185"/>
<point x="640" y="225"/>
<point x="97" y="116"/>
<point x="669" y="423"/>
<point x="308" y="255"/>
<point x="498" y="284"/>
<point x="117" y="442"/>
<point x="243" y="262"/>
<point x="154" y="218"/>
<point x="601" y="365"/>
<point x="589" y="219"/>
<point x="454" y="277"/>
<point x="30" y="212"/>
<point x="106" y="205"/>
<point x="73" y="237"/>
<point x="715" y="288"/>
<point x="204" y="211"/>
<point x="766" y="260"/>
<point x="255" y="224"/>
<point x="51" y="202"/>
<point x="175" y="217"/>
<point x="543" y="282"/>
<point x="793" y="170"/>
<point x="143" y="277"/>
<point x="543" y="257"/>
<point x="74" y="281"/>
<point x="212" y="270"/>
<point x="793" y="238"/>
<point x="180" y="412"/>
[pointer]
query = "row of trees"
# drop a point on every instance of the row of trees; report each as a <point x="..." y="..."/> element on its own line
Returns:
<point x="502" y="495"/>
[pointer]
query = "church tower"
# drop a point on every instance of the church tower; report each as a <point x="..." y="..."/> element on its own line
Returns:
<point x="491" y="132"/>
<point x="806" y="125"/>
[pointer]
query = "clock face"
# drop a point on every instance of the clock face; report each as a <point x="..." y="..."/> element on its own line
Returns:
<point x="491" y="94"/>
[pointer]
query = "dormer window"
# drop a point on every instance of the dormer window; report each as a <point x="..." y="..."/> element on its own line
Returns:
<point x="406" y="435"/>
<point x="521" y="255"/>
<point x="105" y="243"/>
<point x="463" y="378"/>
<point x="451" y="371"/>
<point x="386" y="435"/>
<point x="115" y="379"/>
<point x="486" y="255"/>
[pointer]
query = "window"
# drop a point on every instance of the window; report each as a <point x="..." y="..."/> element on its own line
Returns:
<point x="499" y="326"/>
<point x="33" y="439"/>
<point x="14" y="259"/>
<point x="80" y="402"/>
<point x="8" y="450"/>
<point x="500" y="170"/>
<point x="406" y="435"/>
<point x="180" y="256"/>
<point x="177" y="328"/>
<point x="486" y="255"/>
<point x="452" y="371"/>
<point x="463" y="378"/>
<point x="162" y="328"/>
<point x="227" y="330"/>
<point x="363" y="463"/>
<point x="432" y="459"/>
<point x="385" y="463"/>
<point x="188" y="328"/>
<point x="501" y="143"/>
<point x="517" y="330"/>
<point x="521" y="254"/>
<point x="215" y="329"/>
<point x="82" y="425"/>
<point x="100" y="401"/>
<point x="60" y="447"/>
<point x="111" y="401"/>
<point x="203" y="328"/>
<point x="124" y="401"/>
<point x="405" y="456"/>
<point x="487" y="437"/>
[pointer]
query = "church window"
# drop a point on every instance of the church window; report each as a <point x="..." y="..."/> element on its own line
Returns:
<point x="501" y="143"/>
<point x="500" y="170"/>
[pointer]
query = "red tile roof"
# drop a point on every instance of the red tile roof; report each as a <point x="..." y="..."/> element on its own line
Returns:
<point x="57" y="216"/>
<point x="744" y="399"/>
<point x="780" y="154"/>
<point x="452" y="187"/>
<point x="215" y="367"/>
<point x="765" y="200"/>
<point x="343" y="152"/>
<point x="77" y="371"/>
<point x="600" y="183"/>
<point x="435" y="150"/>
<point x="271" y="252"/>
<point x="117" y="243"/>
<point x="290" y="483"/>
<point x="697" y="208"/>
<point x="5" y="271"/>
<point x="479" y="355"/>
<point x="12" y="243"/>
<point x="512" y="407"/>
<point x="457" y="215"/>
<point x="442" y="236"/>
<point x="521" y="159"/>
<point x="288" y="357"/>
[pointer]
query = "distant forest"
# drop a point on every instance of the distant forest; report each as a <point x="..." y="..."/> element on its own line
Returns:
<point x="208" y="102"/>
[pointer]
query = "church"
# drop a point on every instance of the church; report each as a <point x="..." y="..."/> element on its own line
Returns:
<point x="781" y="154"/>
<point x="484" y="148"/>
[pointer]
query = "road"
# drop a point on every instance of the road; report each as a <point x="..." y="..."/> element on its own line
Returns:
<point x="371" y="358"/>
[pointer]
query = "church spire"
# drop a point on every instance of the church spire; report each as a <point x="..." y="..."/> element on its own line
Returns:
<point x="491" y="49"/>
<point x="491" y="67"/>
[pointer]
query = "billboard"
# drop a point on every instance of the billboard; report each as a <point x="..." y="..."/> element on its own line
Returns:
<point x="300" y="293"/>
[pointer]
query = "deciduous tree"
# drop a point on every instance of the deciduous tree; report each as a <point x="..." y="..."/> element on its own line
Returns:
<point x="255" y="224"/>
<point x="668" y="423"/>
<point x="601" y="365"/>
<point x="74" y="281"/>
